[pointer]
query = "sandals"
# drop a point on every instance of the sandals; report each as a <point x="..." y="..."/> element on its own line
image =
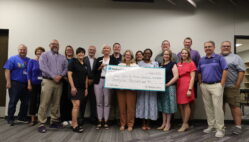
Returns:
<point x="106" y="126"/>
<point x="122" y="128"/>
<point x="98" y="126"/>
<point x="144" y="128"/>
<point x="78" y="129"/>
<point x="130" y="129"/>
<point x="148" y="127"/>
<point x="33" y="123"/>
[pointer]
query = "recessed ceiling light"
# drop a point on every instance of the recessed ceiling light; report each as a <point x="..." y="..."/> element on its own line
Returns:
<point x="192" y="3"/>
<point x="172" y="2"/>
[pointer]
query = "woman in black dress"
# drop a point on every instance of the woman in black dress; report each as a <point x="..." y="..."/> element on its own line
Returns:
<point x="77" y="76"/>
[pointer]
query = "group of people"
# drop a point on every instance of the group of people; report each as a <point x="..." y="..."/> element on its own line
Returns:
<point x="67" y="83"/>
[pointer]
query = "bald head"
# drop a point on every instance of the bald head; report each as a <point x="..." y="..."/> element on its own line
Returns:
<point x="54" y="46"/>
<point x="22" y="50"/>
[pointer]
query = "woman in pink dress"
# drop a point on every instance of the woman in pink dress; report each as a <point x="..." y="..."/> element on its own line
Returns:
<point x="185" y="91"/>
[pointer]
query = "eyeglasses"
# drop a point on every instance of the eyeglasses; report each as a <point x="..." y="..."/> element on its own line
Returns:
<point x="226" y="46"/>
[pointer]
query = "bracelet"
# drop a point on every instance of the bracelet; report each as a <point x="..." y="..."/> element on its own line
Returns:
<point x="189" y="89"/>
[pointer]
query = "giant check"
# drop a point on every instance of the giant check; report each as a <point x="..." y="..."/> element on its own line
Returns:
<point x="135" y="78"/>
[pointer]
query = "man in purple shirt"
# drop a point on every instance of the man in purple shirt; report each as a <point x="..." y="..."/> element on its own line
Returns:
<point x="212" y="75"/>
<point x="53" y="66"/>
<point x="195" y="56"/>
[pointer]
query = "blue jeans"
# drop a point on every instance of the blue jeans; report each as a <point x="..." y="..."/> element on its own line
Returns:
<point x="18" y="91"/>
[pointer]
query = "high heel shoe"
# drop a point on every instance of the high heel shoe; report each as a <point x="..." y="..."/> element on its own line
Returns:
<point x="167" y="128"/>
<point x="183" y="128"/>
<point x="160" y="128"/>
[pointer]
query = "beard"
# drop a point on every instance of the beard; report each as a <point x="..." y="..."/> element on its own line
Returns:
<point x="55" y="49"/>
<point x="225" y="53"/>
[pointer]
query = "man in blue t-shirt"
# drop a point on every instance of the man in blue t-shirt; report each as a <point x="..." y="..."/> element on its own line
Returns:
<point x="16" y="82"/>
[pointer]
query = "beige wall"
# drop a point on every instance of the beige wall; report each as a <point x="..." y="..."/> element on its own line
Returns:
<point x="136" y="26"/>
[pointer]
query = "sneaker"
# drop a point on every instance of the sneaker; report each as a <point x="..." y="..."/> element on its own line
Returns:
<point x="70" y="123"/>
<point x="236" y="130"/>
<point x="42" y="129"/>
<point x="208" y="130"/>
<point x="65" y="123"/>
<point x="220" y="133"/>
<point x="55" y="125"/>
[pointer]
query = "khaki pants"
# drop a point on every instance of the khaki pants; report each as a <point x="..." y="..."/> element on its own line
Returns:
<point x="212" y="95"/>
<point x="127" y="107"/>
<point x="50" y="96"/>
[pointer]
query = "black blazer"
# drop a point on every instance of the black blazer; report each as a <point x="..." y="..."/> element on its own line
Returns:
<point x="97" y="73"/>
<point x="90" y="71"/>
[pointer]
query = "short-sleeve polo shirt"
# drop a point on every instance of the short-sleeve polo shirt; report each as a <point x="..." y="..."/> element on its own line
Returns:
<point x="211" y="68"/>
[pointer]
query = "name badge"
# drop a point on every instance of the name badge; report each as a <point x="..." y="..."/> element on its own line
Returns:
<point x="39" y="77"/>
<point x="24" y="72"/>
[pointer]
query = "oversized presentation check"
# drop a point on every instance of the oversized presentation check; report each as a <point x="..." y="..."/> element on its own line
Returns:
<point x="135" y="78"/>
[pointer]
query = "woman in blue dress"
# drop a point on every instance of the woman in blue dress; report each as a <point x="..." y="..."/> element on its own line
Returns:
<point x="146" y="107"/>
<point x="167" y="100"/>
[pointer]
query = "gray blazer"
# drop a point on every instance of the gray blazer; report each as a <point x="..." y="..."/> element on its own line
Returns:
<point x="89" y="69"/>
